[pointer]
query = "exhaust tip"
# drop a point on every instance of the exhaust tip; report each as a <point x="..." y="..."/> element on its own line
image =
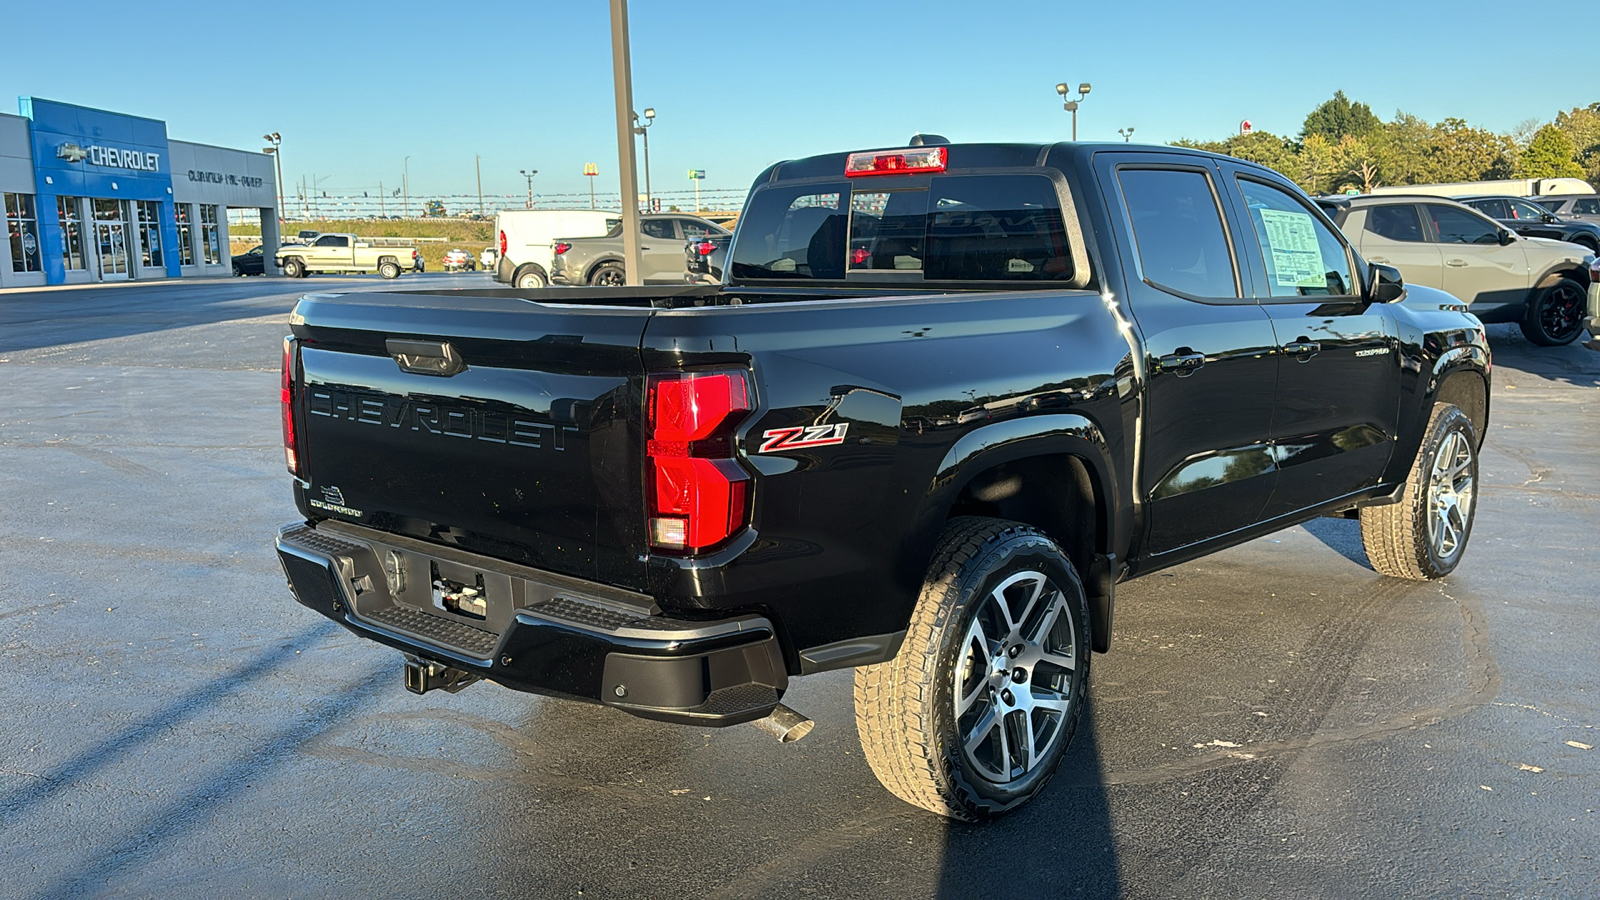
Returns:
<point x="785" y="724"/>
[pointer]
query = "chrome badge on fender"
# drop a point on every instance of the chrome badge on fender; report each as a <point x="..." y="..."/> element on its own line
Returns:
<point x="802" y="436"/>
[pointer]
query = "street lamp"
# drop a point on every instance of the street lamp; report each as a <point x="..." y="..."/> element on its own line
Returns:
<point x="405" y="191"/>
<point x="1127" y="133"/>
<point x="528" y="174"/>
<point x="276" y="139"/>
<point x="649" y="119"/>
<point x="1071" y="106"/>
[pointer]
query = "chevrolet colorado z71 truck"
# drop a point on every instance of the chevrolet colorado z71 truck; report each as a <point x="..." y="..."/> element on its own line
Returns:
<point x="948" y="398"/>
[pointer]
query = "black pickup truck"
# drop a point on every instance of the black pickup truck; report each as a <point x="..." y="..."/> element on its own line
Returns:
<point x="949" y="397"/>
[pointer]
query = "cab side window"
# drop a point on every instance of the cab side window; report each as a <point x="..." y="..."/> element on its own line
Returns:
<point x="1303" y="256"/>
<point x="1178" y="231"/>
<point x="333" y="240"/>
<point x="693" y="229"/>
<point x="658" y="228"/>
<point x="1397" y="223"/>
<point x="1458" y="226"/>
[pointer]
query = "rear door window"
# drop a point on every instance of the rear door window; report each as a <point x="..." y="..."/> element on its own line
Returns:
<point x="1178" y="231"/>
<point x="1397" y="223"/>
<point x="658" y="228"/>
<point x="1589" y="207"/>
<point x="1494" y="209"/>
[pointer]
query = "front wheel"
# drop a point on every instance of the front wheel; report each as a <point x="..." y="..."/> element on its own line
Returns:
<point x="973" y="715"/>
<point x="1555" y="314"/>
<point x="608" y="275"/>
<point x="294" y="268"/>
<point x="389" y="270"/>
<point x="1424" y="535"/>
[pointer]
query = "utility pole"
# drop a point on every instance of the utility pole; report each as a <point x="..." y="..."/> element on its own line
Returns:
<point x="405" y="185"/>
<point x="477" y="161"/>
<point x="382" y="213"/>
<point x="622" y="75"/>
<point x="529" y="173"/>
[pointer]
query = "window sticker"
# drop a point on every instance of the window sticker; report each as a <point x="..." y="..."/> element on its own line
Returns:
<point x="1296" y="256"/>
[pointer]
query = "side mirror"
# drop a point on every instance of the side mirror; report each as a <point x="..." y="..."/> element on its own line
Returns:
<point x="1506" y="237"/>
<point x="1386" y="285"/>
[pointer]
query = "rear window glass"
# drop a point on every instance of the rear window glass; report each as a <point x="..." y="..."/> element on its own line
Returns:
<point x="961" y="228"/>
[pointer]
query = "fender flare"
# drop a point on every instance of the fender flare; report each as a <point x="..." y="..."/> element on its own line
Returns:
<point x="517" y="272"/>
<point x="588" y="273"/>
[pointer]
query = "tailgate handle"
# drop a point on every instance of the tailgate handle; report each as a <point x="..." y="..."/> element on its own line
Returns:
<point x="426" y="357"/>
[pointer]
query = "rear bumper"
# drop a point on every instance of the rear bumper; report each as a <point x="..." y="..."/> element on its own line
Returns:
<point x="1591" y="319"/>
<point x="542" y="632"/>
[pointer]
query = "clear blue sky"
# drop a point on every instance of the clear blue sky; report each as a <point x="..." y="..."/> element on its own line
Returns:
<point x="355" y="88"/>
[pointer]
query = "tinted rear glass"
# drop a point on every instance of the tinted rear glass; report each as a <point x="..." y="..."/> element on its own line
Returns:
<point x="960" y="228"/>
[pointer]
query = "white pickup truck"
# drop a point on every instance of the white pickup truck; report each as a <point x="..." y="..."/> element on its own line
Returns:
<point x="345" y="253"/>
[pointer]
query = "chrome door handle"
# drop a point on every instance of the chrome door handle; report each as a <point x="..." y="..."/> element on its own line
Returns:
<point x="1458" y="263"/>
<point x="1182" y="363"/>
<point x="1303" y="348"/>
<point x="1380" y="260"/>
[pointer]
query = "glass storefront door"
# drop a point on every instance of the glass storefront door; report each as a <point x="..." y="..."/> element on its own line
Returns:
<point x="111" y="238"/>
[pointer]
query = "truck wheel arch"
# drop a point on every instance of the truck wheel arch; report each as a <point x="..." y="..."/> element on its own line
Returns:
<point x="1053" y="472"/>
<point x="1466" y="387"/>
<point x="589" y="272"/>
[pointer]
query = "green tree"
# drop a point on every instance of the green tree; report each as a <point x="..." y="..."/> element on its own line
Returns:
<point x="1338" y="118"/>
<point x="1582" y="126"/>
<point x="1550" y="154"/>
<point x="1460" y="152"/>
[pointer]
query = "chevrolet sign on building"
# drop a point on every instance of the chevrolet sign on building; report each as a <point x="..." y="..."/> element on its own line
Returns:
<point x="90" y="196"/>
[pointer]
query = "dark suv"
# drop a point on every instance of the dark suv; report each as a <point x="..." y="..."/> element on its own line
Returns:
<point x="1532" y="220"/>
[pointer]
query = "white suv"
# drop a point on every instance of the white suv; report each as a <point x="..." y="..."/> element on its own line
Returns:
<point x="524" y="237"/>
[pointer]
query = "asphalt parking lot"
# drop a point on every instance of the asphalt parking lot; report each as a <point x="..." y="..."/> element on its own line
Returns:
<point x="1275" y="720"/>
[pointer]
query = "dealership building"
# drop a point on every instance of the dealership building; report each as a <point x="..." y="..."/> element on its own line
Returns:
<point x="96" y="196"/>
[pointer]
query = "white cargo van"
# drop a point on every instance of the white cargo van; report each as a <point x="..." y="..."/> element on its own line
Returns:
<point x="525" y="235"/>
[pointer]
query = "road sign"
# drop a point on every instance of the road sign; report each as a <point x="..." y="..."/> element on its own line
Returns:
<point x="697" y="174"/>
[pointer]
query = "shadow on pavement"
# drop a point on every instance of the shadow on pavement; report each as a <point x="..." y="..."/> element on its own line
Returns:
<point x="1061" y="844"/>
<point x="1343" y="536"/>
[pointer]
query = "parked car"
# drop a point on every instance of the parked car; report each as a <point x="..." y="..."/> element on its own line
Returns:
<point x="249" y="262"/>
<point x="598" y="261"/>
<point x="705" y="257"/>
<point x="947" y="399"/>
<point x="1529" y="219"/>
<point x="525" y="237"/>
<point x="1585" y="207"/>
<point x="1502" y="277"/>
<point x="459" y="261"/>
<point x="346" y="254"/>
<point x="1591" y="319"/>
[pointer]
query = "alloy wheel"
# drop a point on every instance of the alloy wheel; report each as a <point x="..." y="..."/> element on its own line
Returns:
<point x="1450" y="495"/>
<point x="1561" y="314"/>
<point x="1017" y="681"/>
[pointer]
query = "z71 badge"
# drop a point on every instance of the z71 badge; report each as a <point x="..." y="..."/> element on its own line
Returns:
<point x="802" y="436"/>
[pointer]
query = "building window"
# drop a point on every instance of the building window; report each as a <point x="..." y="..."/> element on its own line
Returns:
<point x="180" y="212"/>
<point x="209" y="237"/>
<point x="22" y="226"/>
<point x="150" y="233"/>
<point x="70" y="211"/>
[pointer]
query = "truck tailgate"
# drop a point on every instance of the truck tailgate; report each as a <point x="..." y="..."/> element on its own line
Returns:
<point x="530" y="452"/>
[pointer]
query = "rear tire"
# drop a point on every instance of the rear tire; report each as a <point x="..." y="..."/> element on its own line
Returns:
<point x="973" y="715"/>
<point x="608" y="275"/>
<point x="1555" y="314"/>
<point x="1424" y="535"/>
<point x="530" y="279"/>
<point x="389" y="270"/>
<point x="294" y="268"/>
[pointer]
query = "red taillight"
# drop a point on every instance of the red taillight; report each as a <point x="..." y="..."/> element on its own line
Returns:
<point x="290" y="458"/>
<point x="698" y="493"/>
<point x="502" y="243"/>
<point x="705" y="248"/>
<point x="897" y="162"/>
<point x="562" y="247"/>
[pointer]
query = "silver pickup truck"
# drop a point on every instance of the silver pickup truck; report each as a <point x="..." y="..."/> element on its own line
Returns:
<point x="345" y="253"/>
<point x="598" y="261"/>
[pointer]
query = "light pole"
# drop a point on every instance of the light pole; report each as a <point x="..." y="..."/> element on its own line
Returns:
<point x="528" y="174"/>
<point x="275" y="140"/>
<point x="1127" y="133"/>
<point x="477" y="163"/>
<point x="1071" y="106"/>
<point x="649" y="119"/>
<point x="405" y="189"/>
